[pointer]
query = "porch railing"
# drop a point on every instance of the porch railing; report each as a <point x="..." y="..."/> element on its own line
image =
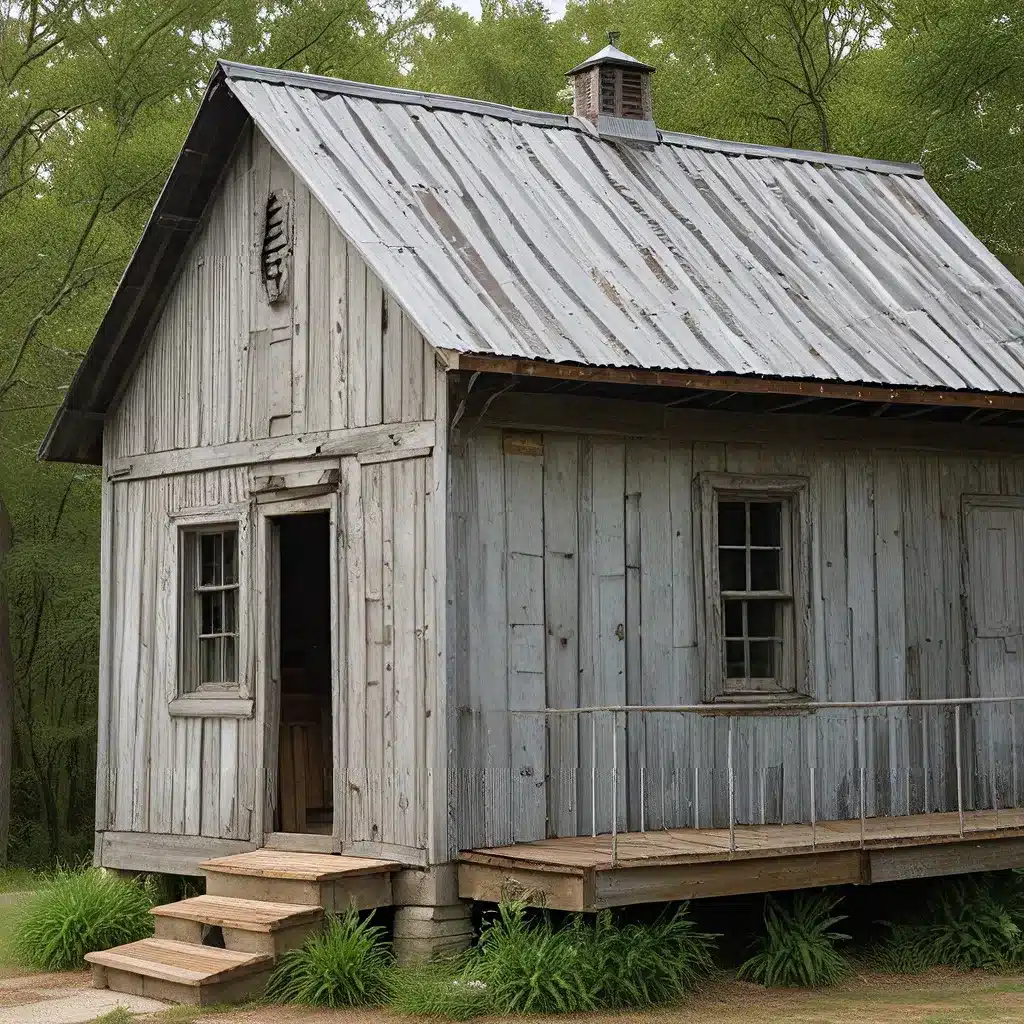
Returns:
<point x="603" y="728"/>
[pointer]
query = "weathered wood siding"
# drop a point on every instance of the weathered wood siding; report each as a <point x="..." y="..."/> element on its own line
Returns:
<point x="164" y="774"/>
<point x="575" y="580"/>
<point x="222" y="364"/>
<point x="389" y="645"/>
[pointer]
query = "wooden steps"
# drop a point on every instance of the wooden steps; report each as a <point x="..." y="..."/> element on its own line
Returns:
<point x="308" y="879"/>
<point x="180" y="971"/>
<point x="249" y="926"/>
<point x="257" y="906"/>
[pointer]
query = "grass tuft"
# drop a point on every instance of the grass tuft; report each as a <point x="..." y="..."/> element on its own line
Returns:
<point x="526" y="964"/>
<point x="532" y="967"/>
<point x="440" y="990"/>
<point x="77" y="912"/>
<point x="636" y="966"/>
<point x="799" y="945"/>
<point x="971" y="923"/>
<point x="348" y="964"/>
<point x="18" y="880"/>
<point x="118" y="1015"/>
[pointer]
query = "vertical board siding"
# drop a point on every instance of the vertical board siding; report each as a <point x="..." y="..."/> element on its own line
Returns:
<point x="336" y="352"/>
<point x="222" y="364"/>
<point x="389" y="579"/>
<point x="166" y="774"/>
<point x="586" y="555"/>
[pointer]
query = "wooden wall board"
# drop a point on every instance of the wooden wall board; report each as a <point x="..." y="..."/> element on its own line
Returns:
<point x="622" y="614"/>
<point x="337" y="352"/>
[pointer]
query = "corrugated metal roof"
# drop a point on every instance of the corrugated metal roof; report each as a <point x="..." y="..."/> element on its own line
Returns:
<point x="521" y="233"/>
<point x="516" y="236"/>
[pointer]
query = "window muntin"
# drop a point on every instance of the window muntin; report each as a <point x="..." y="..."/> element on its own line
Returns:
<point x="754" y="591"/>
<point x="756" y="611"/>
<point x="210" y="607"/>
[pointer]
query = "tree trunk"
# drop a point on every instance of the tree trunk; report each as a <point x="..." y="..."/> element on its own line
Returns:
<point x="6" y="685"/>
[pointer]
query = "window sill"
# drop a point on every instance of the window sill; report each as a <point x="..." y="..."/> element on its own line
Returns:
<point x="210" y="707"/>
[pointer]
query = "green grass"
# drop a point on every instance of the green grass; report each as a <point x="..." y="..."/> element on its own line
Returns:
<point x="72" y="913"/>
<point x="799" y="945"/>
<point x="440" y="990"/>
<point x="118" y="1015"/>
<point x="527" y="964"/>
<point x="348" y="964"/>
<point x="18" y="880"/>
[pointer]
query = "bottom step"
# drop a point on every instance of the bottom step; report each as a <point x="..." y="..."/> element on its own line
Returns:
<point x="181" y="972"/>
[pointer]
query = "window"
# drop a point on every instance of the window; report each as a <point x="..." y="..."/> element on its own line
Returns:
<point x="209" y="612"/>
<point x="756" y="581"/>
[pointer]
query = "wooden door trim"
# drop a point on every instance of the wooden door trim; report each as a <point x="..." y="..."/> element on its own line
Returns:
<point x="263" y="610"/>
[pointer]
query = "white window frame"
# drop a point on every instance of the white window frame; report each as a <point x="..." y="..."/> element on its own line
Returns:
<point x="795" y="595"/>
<point x="233" y="700"/>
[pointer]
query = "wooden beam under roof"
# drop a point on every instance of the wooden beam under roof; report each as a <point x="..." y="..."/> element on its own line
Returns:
<point x="740" y="384"/>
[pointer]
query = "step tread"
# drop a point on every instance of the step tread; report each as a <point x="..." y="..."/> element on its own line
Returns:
<point x="302" y="867"/>
<point x="180" y="962"/>
<point x="246" y="915"/>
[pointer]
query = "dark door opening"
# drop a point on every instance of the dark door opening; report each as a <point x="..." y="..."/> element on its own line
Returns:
<point x="305" y="757"/>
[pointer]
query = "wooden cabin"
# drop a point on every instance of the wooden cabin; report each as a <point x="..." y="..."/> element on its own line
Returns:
<point x="505" y="501"/>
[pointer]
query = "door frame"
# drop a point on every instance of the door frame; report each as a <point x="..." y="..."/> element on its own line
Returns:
<point x="264" y="609"/>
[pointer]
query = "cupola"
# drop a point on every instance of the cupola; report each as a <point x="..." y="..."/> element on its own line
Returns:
<point x="613" y="92"/>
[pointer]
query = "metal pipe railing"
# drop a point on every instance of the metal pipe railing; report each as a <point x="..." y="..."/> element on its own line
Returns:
<point x="621" y="716"/>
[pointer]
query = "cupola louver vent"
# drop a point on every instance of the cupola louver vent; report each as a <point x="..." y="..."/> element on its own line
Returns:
<point x="612" y="91"/>
<point x="276" y="251"/>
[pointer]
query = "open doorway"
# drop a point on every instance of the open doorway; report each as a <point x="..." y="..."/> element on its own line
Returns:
<point x="305" y="756"/>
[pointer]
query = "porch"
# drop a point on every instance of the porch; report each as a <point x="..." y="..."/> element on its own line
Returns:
<point x="589" y="873"/>
<point x="940" y="796"/>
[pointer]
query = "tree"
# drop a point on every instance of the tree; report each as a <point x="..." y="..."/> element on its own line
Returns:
<point x="96" y="101"/>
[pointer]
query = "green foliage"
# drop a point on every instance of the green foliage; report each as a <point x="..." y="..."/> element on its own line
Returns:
<point x="532" y="966"/>
<point x="536" y="967"/>
<point x="799" y="945"/>
<point x="79" y="912"/>
<point x="118" y="1015"/>
<point x="635" y="966"/>
<point x="527" y="964"/>
<point x="347" y="964"/>
<point x="970" y="923"/>
<point x="440" y="990"/>
<point x="17" y="880"/>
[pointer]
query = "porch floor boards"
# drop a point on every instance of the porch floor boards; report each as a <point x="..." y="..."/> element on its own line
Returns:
<point x="578" y="873"/>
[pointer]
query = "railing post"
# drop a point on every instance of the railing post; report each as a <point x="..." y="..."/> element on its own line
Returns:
<point x="812" y="759"/>
<point x="643" y="819"/>
<point x="860" y="758"/>
<point x="593" y="773"/>
<point x="959" y="770"/>
<point x="615" y="784"/>
<point x="732" y="792"/>
<point x="1013" y="756"/>
<point x="696" y="793"/>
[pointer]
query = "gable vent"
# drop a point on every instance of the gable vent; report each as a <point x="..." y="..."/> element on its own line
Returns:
<point x="275" y="254"/>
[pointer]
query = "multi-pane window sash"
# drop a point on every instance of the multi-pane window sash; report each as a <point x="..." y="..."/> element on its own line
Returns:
<point x="755" y="591"/>
<point x="211" y="640"/>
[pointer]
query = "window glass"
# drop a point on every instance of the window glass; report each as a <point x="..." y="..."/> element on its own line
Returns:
<point x="209" y="620"/>
<point x="751" y="547"/>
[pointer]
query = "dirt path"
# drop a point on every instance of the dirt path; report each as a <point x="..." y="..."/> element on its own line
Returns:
<point x="938" y="997"/>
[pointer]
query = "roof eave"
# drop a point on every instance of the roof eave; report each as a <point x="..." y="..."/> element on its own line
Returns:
<point x="76" y="433"/>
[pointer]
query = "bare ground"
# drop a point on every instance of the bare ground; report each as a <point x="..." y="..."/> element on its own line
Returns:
<point x="937" y="997"/>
